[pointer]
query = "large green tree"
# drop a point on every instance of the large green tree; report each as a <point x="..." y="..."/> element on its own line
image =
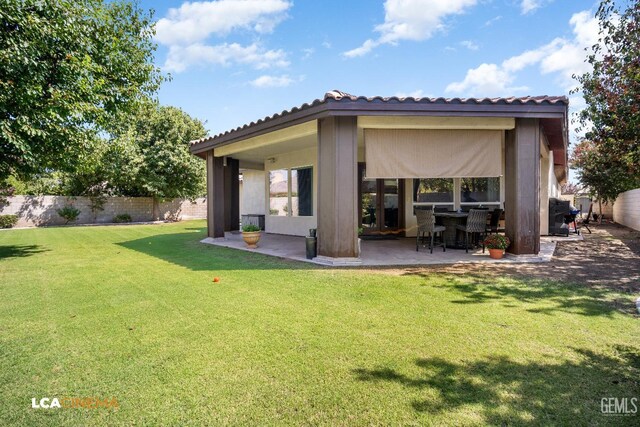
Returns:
<point x="152" y="157"/>
<point x="69" y="70"/>
<point x="609" y="161"/>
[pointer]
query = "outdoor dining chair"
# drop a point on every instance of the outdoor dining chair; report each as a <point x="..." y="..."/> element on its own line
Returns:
<point x="476" y="225"/>
<point x="427" y="225"/>
<point x="494" y="221"/>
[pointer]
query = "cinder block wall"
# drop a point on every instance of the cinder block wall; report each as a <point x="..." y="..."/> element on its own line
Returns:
<point x="626" y="209"/>
<point x="42" y="210"/>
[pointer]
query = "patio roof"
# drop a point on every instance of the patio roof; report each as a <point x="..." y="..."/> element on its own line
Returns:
<point x="552" y="110"/>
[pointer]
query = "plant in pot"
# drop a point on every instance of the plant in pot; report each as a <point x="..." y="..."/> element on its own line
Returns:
<point x="251" y="235"/>
<point x="497" y="244"/>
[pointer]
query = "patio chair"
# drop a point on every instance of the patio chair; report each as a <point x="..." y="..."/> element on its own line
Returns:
<point x="427" y="224"/>
<point x="494" y="221"/>
<point x="476" y="225"/>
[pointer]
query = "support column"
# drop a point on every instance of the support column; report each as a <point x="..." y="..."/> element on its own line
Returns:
<point x="232" y="195"/>
<point x="522" y="187"/>
<point x="338" y="188"/>
<point x="215" y="195"/>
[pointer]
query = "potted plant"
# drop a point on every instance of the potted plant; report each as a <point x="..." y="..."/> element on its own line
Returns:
<point x="497" y="244"/>
<point x="251" y="235"/>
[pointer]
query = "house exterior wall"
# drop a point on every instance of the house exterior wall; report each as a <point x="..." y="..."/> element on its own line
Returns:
<point x="291" y="225"/>
<point x="626" y="209"/>
<point x="253" y="196"/>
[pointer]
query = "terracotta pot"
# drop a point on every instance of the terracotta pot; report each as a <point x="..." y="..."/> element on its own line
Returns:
<point x="251" y="238"/>
<point x="496" y="253"/>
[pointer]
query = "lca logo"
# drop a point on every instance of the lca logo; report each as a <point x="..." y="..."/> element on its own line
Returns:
<point x="45" y="403"/>
<point x="73" y="402"/>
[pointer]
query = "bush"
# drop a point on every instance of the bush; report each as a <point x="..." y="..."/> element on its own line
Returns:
<point x="125" y="217"/>
<point x="249" y="228"/>
<point x="8" y="221"/>
<point x="69" y="213"/>
<point x="497" y="241"/>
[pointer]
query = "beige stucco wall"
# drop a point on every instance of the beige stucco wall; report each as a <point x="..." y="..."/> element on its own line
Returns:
<point x="291" y="225"/>
<point x="626" y="209"/>
<point x="42" y="210"/>
<point x="253" y="194"/>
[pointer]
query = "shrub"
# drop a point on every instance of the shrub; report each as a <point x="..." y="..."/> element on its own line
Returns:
<point x="497" y="241"/>
<point x="69" y="213"/>
<point x="125" y="217"/>
<point x="249" y="228"/>
<point x="8" y="221"/>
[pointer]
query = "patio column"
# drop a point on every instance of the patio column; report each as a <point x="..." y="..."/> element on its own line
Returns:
<point x="522" y="187"/>
<point x="232" y="195"/>
<point x="338" y="188"/>
<point x="215" y="195"/>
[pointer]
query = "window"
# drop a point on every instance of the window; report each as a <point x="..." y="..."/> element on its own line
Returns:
<point x="479" y="191"/>
<point x="279" y="192"/>
<point x="291" y="192"/>
<point x="433" y="190"/>
<point x="301" y="191"/>
<point x="433" y="193"/>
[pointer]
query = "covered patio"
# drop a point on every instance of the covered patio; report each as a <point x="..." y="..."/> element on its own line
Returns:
<point x="381" y="253"/>
<point x="350" y="166"/>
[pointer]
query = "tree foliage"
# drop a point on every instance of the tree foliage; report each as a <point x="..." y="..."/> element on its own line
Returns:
<point x="609" y="159"/>
<point x="68" y="70"/>
<point x="152" y="157"/>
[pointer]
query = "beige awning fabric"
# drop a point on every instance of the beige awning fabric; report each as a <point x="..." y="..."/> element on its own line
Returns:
<point x="427" y="153"/>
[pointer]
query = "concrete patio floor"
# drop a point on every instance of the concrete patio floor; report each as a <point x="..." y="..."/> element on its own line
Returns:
<point x="401" y="251"/>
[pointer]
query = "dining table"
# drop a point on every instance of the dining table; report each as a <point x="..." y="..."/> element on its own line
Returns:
<point x="451" y="220"/>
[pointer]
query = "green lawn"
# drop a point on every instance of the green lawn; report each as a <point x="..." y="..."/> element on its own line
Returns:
<point x="131" y="312"/>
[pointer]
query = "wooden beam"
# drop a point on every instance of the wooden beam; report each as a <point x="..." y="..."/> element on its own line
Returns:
<point x="522" y="187"/>
<point x="215" y="195"/>
<point x="337" y="187"/>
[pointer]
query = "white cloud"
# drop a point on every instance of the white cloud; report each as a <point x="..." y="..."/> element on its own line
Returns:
<point x="308" y="53"/>
<point x="366" y="47"/>
<point x="181" y="57"/>
<point x="193" y="22"/>
<point x="186" y="30"/>
<point x="487" y="79"/>
<point x="415" y="20"/>
<point x="470" y="44"/>
<point x="267" y="81"/>
<point x="492" y="21"/>
<point x="529" y="6"/>
<point x="561" y="56"/>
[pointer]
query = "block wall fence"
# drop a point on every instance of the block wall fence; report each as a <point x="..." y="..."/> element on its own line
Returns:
<point x="33" y="211"/>
<point x="626" y="209"/>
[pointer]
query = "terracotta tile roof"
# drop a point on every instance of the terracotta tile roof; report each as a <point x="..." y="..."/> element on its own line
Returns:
<point x="336" y="96"/>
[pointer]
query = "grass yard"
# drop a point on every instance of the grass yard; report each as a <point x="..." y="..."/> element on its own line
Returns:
<point x="131" y="312"/>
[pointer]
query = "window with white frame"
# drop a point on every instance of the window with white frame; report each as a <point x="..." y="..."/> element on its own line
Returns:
<point x="479" y="191"/>
<point x="291" y="192"/>
<point x="455" y="193"/>
<point x="434" y="192"/>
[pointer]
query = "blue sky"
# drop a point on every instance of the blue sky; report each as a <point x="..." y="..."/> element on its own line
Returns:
<point x="236" y="61"/>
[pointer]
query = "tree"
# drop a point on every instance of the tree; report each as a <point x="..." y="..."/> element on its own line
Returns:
<point x="609" y="159"/>
<point x="604" y="177"/>
<point x="152" y="158"/>
<point x="69" y="69"/>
